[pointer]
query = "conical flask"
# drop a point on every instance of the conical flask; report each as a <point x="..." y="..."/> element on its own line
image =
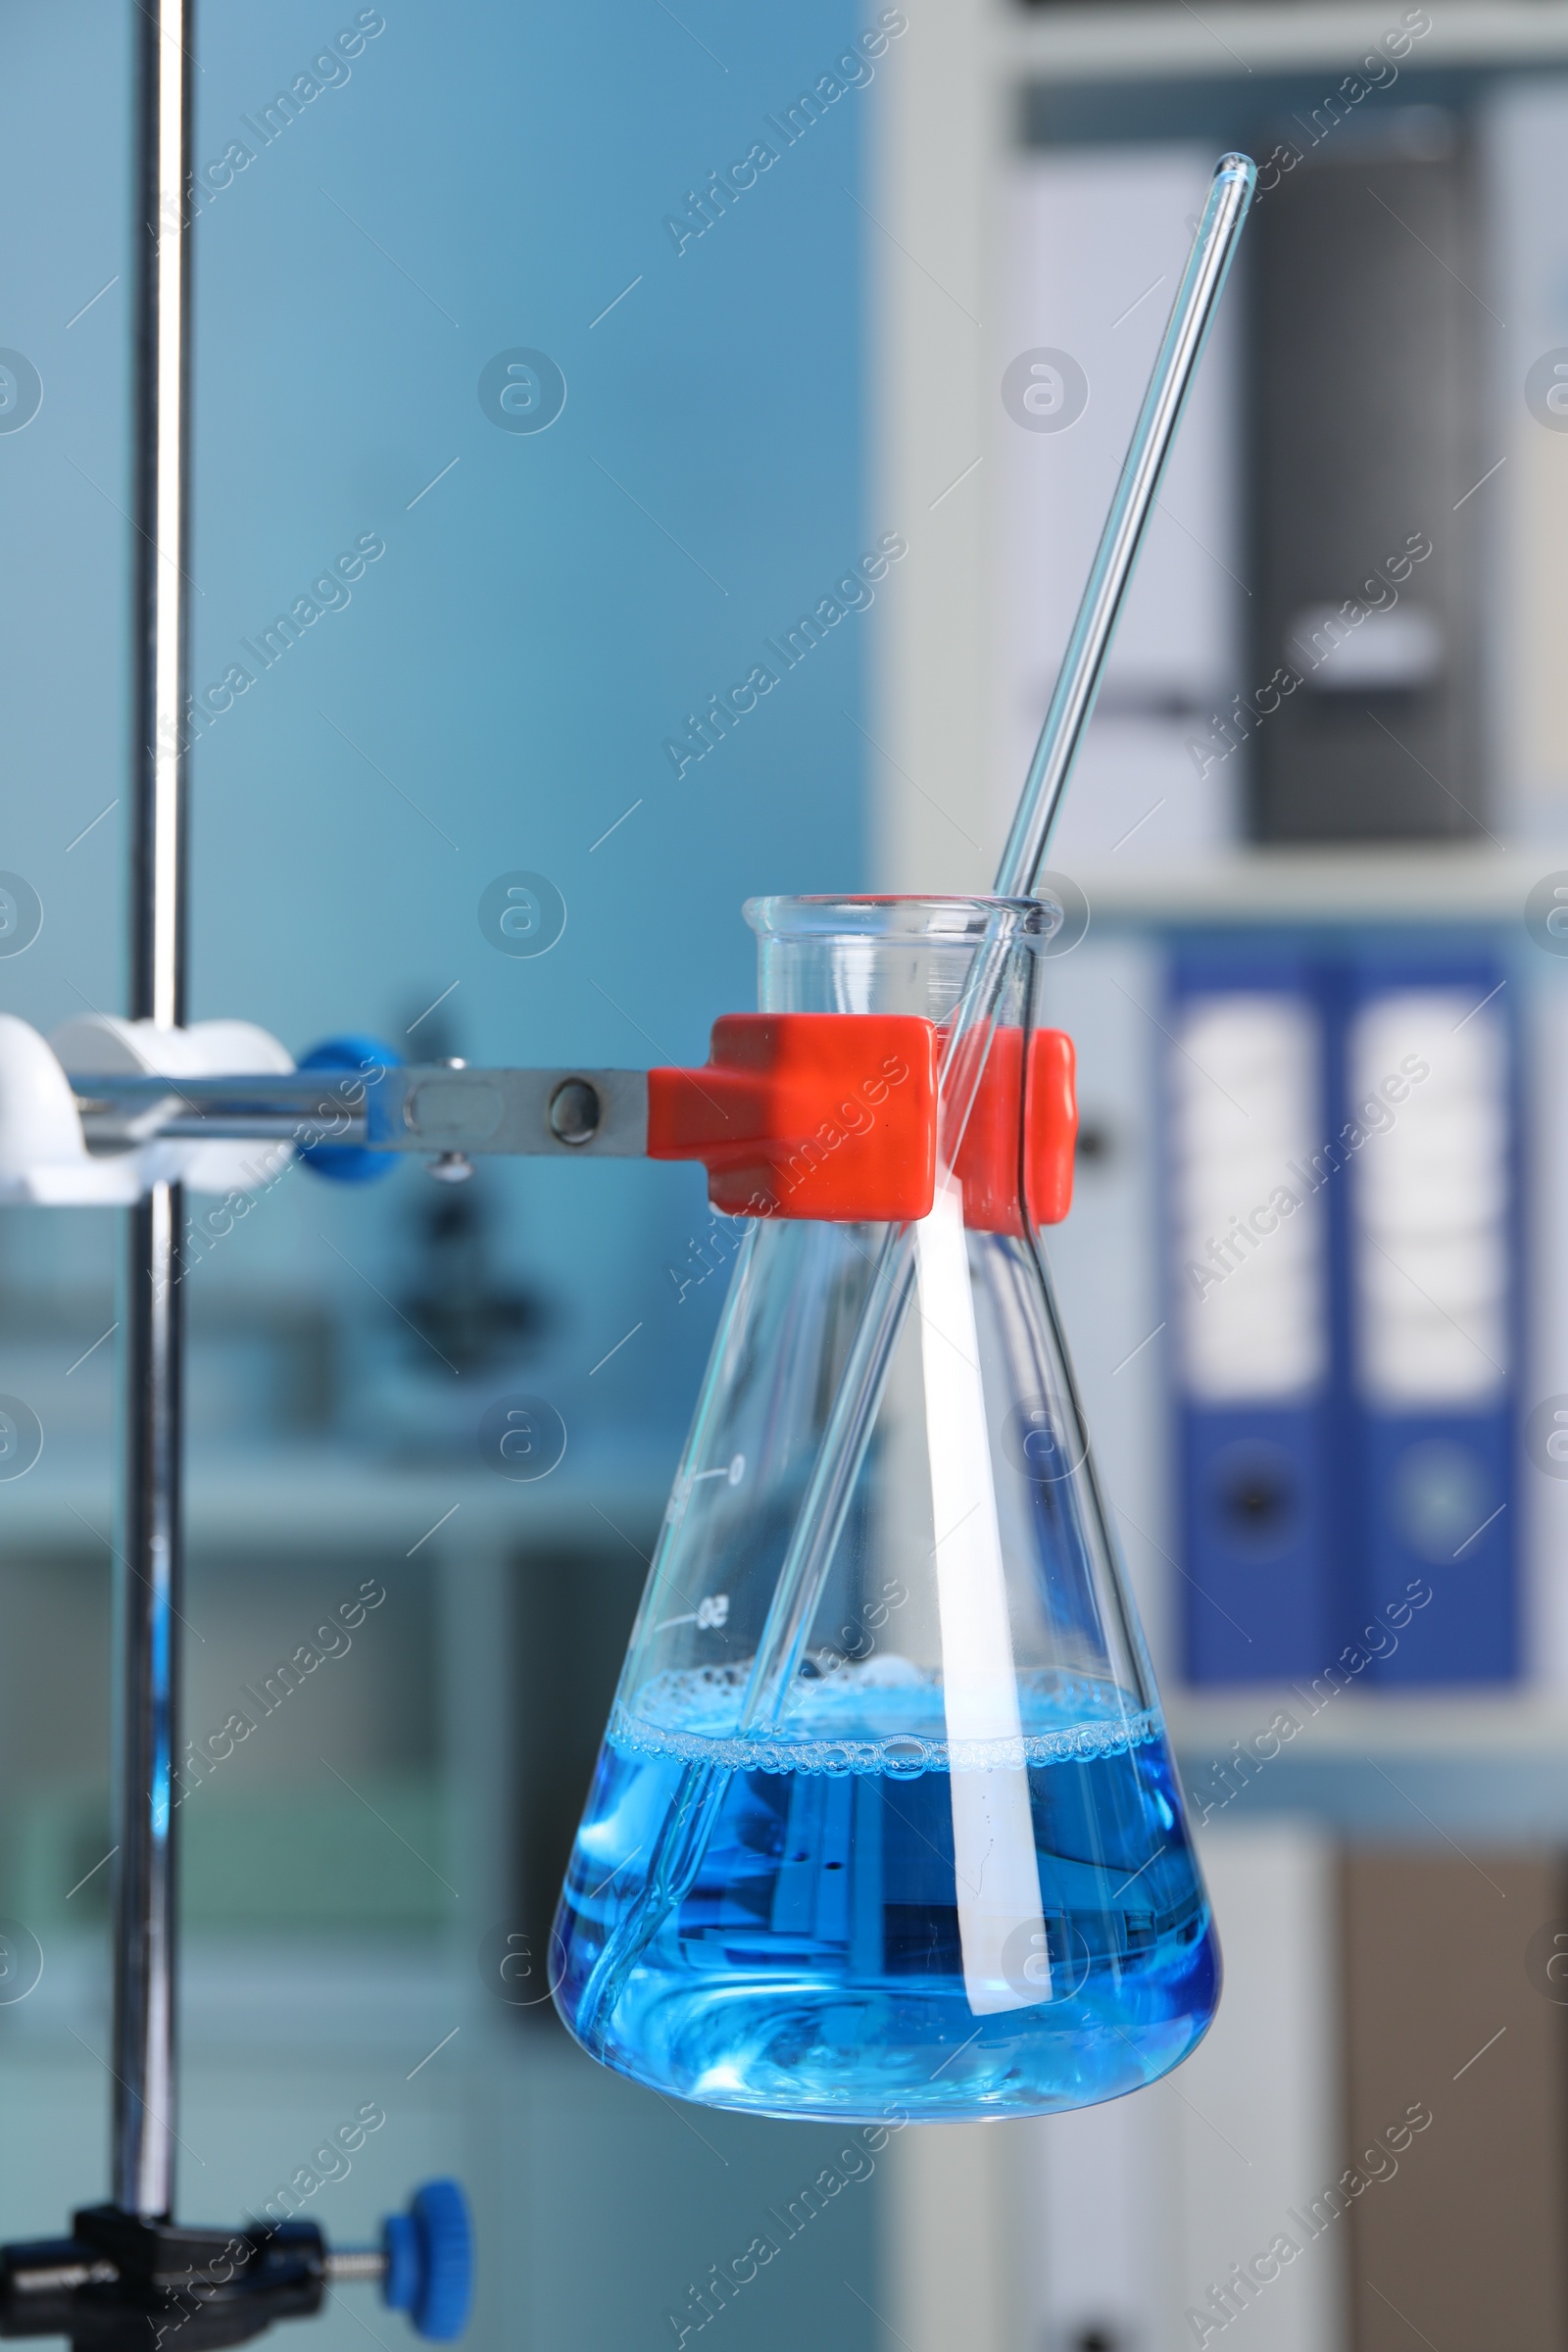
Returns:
<point x="897" y="1831"/>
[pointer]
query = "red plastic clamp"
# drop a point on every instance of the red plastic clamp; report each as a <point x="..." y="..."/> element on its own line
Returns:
<point x="833" y="1115"/>
<point x="988" y="1158"/>
<point x="808" y="1114"/>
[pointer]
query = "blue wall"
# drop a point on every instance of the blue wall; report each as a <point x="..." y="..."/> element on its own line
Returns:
<point x="499" y="687"/>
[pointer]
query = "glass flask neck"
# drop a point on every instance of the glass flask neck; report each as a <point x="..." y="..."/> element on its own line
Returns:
<point x="886" y="954"/>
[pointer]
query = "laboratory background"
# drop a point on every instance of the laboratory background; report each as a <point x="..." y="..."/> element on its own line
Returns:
<point x="852" y="418"/>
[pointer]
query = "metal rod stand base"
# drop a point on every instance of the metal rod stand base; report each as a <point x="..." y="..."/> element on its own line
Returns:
<point x="124" y="2285"/>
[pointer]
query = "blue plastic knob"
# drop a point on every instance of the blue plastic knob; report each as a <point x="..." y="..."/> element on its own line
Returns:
<point x="429" y="2261"/>
<point x="350" y="1163"/>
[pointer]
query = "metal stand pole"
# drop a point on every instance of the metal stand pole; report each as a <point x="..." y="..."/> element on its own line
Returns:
<point x="148" y="1569"/>
<point x="130" y="2275"/>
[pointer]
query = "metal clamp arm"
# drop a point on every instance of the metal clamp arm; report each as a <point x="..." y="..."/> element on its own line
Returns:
<point x="827" y="1116"/>
<point x="432" y="1108"/>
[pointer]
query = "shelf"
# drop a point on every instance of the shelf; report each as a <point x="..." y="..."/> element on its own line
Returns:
<point x="314" y="1498"/>
<point x="1510" y="1721"/>
<point x="1103" y="43"/>
<point x="1403" y="881"/>
<point x="1390" y="1768"/>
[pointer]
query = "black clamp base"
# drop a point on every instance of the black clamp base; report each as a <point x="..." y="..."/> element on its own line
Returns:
<point x="124" y="2285"/>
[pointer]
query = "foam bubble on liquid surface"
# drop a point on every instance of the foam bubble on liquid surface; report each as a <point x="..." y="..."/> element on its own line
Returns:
<point x="884" y="1715"/>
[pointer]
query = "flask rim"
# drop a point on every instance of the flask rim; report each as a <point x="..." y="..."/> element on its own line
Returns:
<point x="950" y="919"/>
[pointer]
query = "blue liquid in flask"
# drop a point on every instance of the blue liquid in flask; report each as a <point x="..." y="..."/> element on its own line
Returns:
<point x="776" y="1925"/>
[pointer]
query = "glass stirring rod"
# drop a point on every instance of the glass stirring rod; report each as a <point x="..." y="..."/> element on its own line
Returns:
<point x="859" y="1389"/>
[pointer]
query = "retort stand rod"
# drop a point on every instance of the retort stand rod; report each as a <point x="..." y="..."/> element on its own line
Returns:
<point x="148" y="1566"/>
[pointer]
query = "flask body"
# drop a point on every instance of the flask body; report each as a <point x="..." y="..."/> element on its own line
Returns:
<point x="889" y="1828"/>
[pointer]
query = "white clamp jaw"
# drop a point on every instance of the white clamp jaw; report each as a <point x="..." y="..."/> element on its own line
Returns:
<point x="43" y="1150"/>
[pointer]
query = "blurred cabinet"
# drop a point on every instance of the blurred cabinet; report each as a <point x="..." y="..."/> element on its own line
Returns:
<point x="1455" y="2022"/>
<point x="395" y="1806"/>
